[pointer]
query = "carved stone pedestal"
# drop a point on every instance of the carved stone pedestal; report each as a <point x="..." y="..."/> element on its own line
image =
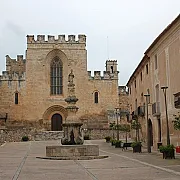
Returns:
<point x="72" y="134"/>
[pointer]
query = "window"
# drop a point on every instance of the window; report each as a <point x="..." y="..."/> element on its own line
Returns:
<point x="146" y="68"/>
<point x="142" y="97"/>
<point x="135" y="83"/>
<point x="141" y="76"/>
<point x="136" y="104"/>
<point x="157" y="93"/>
<point x="112" y="69"/>
<point x="155" y="61"/>
<point x="96" y="97"/>
<point x="148" y="92"/>
<point x="16" y="98"/>
<point x="56" y="76"/>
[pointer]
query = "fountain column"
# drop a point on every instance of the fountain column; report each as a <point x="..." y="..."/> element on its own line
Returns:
<point x="72" y="126"/>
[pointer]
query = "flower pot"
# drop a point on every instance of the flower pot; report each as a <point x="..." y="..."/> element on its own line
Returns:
<point x="108" y="139"/>
<point x="137" y="149"/>
<point x="169" y="154"/>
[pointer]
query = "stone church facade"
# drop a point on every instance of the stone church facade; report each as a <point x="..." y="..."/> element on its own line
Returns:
<point x="33" y="90"/>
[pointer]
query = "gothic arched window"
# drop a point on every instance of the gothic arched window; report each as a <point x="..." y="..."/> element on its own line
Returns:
<point x="56" y="76"/>
<point x="96" y="97"/>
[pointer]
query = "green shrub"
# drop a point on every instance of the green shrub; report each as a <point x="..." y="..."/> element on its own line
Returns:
<point x="168" y="151"/>
<point x="118" y="143"/>
<point x="167" y="148"/>
<point x="108" y="138"/>
<point x="25" y="138"/>
<point x="113" y="142"/>
<point x="135" y="144"/>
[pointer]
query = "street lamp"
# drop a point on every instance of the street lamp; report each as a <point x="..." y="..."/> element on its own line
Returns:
<point x="117" y="113"/>
<point x="167" y="124"/>
<point x="147" y="122"/>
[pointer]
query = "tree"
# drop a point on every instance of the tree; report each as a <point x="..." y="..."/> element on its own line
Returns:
<point x="136" y="126"/>
<point x="112" y="126"/>
<point x="125" y="128"/>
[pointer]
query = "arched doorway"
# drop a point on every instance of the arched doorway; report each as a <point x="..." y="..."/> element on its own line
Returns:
<point x="56" y="122"/>
<point x="150" y="132"/>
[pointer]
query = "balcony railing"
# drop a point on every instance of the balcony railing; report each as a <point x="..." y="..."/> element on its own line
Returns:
<point x="177" y="103"/>
<point x="156" y="109"/>
<point x="133" y="116"/>
<point x="141" y="110"/>
<point x="177" y="100"/>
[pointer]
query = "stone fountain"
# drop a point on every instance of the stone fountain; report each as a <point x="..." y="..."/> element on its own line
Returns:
<point x="72" y="143"/>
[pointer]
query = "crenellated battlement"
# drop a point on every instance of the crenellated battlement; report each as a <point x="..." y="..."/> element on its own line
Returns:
<point x="60" y="40"/>
<point x="15" y="65"/>
<point x="7" y="76"/>
<point x="112" y="61"/>
<point x="106" y="75"/>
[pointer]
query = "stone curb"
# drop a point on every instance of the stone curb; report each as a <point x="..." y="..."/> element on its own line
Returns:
<point x="74" y="158"/>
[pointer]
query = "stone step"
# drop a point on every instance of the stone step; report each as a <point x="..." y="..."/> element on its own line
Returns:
<point x="48" y="135"/>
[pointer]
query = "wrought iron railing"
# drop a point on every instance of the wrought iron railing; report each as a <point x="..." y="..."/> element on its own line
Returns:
<point x="156" y="108"/>
<point x="177" y="103"/>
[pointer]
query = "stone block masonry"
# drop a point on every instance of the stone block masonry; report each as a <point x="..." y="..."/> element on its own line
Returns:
<point x="72" y="150"/>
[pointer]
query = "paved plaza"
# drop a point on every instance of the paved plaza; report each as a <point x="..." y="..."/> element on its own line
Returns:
<point x="18" y="161"/>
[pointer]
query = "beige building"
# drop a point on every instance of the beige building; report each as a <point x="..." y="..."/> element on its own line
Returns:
<point x="159" y="67"/>
<point x="33" y="90"/>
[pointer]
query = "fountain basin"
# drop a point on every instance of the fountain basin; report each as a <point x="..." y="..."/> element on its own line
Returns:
<point x="72" y="150"/>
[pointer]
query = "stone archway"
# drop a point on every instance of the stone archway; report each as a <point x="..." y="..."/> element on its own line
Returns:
<point x="150" y="132"/>
<point x="54" y="116"/>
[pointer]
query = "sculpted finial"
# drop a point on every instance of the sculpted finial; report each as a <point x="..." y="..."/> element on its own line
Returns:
<point x="71" y="77"/>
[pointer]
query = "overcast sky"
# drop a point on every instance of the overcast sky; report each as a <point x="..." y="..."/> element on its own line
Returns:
<point x="130" y="25"/>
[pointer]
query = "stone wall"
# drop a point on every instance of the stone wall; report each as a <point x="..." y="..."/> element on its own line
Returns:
<point x="102" y="133"/>
<point x="16" y="134"/>
<point x="48" y="135"/>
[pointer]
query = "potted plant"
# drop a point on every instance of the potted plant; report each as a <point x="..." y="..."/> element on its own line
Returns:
<point x="25" y="138"/>
<point x="136" y="147"/>
<point x="118" y="144"/>
<point x="113" y="142"/>
<point x="168" y="151"/>
<point x="108" y="139"/>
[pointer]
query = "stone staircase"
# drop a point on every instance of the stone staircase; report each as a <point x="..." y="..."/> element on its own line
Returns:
<point x="48" y="135"/>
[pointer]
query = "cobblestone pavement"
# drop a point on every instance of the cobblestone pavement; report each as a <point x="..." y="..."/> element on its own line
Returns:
<point x="18" y="161"/>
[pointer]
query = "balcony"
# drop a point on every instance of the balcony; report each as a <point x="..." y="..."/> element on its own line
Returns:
<point x="156" y="109"/>
<point x="177" y="100"/>
<point x="134" y="115"/>
<point x="141" y="111"/>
